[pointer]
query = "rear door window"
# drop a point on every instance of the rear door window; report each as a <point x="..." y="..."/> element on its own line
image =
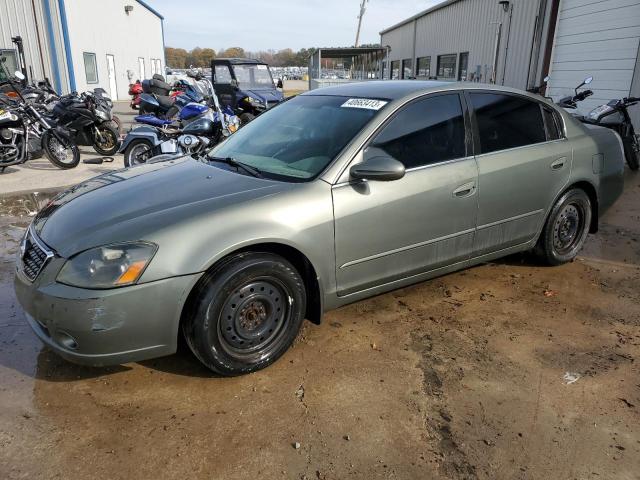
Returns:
<point x="426" y="131"/>
<point x="507" y="121"/>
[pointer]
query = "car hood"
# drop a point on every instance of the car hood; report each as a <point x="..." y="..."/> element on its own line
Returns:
<point x="268" y="94"/>
<point x="131" y="204"/>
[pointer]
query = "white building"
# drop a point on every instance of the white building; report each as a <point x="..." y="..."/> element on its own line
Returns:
<point x="84" y="44"/>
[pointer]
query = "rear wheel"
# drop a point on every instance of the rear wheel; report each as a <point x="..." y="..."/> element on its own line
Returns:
<point x="63" y="154"/>
<point x="137" y="152"/>
<point x="106" y="140"/>
<point x="246" y="313"/>
<point x="566" y="228"/>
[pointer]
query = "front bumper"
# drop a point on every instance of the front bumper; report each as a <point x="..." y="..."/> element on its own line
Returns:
<point x="104" y="327"/>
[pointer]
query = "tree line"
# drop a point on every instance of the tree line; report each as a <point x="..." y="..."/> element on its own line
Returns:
<point x="201" y="57"/>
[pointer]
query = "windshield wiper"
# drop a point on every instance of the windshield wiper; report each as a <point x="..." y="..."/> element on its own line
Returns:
<point x="235" y="163"/>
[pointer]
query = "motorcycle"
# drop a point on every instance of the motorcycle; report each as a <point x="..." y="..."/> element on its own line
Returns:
<point x="89" y="118"/>
<point x="613" y="115"/>
<point x="135" y="90"/>
<point x="200" y="126"/>
<point x="25" y="134"/>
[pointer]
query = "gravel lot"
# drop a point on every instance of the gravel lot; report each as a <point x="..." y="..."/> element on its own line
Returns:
<point x="509" y="370"/>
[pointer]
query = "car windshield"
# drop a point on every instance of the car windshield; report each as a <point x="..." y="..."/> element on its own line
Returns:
<point x="296" y="140"/>
<point x="253" y="76"/>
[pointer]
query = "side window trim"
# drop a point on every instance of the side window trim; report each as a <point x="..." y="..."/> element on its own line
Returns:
<point x="397" y="111"/>
<point x="477" y="150"/>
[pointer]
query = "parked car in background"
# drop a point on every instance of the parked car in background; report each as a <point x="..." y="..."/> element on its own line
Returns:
<point x="336" y="195"/>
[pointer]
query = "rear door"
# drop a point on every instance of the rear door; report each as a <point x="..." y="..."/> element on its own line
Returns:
<point x="523" y="163"/>
<point x="386" y="231"/>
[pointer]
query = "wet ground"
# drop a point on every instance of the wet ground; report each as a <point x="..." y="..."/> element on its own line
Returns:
<point x="509" y="370"/>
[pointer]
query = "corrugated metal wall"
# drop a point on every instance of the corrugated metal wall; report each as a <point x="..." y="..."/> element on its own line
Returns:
<point x="599" y="39"/>
<point x="472" y="26"/>
<point x="29" y="19"/>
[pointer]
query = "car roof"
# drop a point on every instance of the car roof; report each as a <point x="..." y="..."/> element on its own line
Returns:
<point x="398" y="89"/>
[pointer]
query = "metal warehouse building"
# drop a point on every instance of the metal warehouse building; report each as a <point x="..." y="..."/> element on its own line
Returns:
<point x="487" y="41"/>
<point x="83" y="44"/>
<point x="519" y="42"/>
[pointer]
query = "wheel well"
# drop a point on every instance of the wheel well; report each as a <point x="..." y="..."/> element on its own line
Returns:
<point x="593" y="197"/>
<point x="297" y="259"/>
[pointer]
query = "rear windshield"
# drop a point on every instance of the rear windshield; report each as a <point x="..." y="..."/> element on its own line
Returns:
<point x="296" y="140"/>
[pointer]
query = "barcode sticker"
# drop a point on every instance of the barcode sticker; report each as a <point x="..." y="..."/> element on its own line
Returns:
<point x="367" y="103"/>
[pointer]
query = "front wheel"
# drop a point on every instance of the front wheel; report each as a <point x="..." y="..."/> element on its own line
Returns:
<point x="632" y="153"/>
<point x="566" y="228"/>
<point x="106" y="140"/>
<point x="245" y="314"/>
<point x="63" y="154"/>
<point x="137" y="152"/>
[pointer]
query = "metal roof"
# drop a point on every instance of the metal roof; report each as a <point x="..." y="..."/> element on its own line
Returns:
<point x="444" y="4"/>
<point x="148" y="7"/>
<point x="239" y="61"/>
<point x="349" y="51"/>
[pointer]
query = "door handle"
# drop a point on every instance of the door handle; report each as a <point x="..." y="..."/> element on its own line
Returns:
<point x="465" y="190"/>
<point x="558" y="164"/>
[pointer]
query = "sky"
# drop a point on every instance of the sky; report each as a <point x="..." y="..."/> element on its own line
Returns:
<point x="276" y="24"/>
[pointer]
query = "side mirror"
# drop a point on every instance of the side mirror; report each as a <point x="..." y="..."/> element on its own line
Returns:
<point x="382" y="168"/>
<point x="545" y="79"/>
<point x="588" y="80"/>
<point x="19" y="75"/>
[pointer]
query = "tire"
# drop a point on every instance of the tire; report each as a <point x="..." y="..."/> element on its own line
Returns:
<point x="631" y="154"/>
<point x="246" y="118"/>
<point x="239" y="319"/>
<point x="118" y="124"/>
<point x="137" y="152"/>
<point x="111" y="139"/>
<point x="566" y="228"/>
<point x="61" y="157"/>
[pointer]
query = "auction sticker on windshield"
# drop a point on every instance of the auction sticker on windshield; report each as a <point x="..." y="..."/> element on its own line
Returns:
<point x="368" y="103"/>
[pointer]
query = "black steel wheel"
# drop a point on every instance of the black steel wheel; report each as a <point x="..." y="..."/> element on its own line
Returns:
<point x="566" y="228"/>
<point x="246" y="313"/>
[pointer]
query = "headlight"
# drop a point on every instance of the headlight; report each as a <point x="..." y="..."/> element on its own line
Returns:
<point x="109" y="266"/>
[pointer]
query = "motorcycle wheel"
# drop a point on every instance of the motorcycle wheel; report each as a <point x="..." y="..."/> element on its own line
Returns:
<point x="137" y="153"/>
<point x="57" y="154"/>
<point x="118" y="123"/>
<point x="632" y="154"/>
<point x="110" y="139"/>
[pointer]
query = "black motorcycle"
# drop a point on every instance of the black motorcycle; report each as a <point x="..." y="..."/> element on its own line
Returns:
<point x="25" y="134"/>
<point x="615" y="115"/>
<point x="89" y="119"/>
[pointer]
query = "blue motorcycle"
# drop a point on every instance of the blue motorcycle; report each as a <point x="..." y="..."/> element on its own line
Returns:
<point x="197" y="127"/>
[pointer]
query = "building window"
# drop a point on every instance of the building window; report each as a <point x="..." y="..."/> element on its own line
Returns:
<point x="90" y="67"/>
<point x="395" y="70"/>
<point x="407" y="68"/>
<point x="141" y="68"/>
<point x="11" y="64"/>
<point x="424" y="67"/>
<point x="463" y="65"/>
<point x="447" y="66"/>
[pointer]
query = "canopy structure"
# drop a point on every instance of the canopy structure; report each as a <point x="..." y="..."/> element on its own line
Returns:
<point x="335" y="66"/>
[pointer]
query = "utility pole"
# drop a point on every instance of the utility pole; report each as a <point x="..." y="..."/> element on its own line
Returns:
<point x="362" y="9"/>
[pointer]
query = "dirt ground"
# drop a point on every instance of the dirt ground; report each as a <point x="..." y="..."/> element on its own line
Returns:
<point x="509" y="370"/>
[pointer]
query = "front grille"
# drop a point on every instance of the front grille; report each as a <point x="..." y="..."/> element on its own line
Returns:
<point x="34" y="256"/>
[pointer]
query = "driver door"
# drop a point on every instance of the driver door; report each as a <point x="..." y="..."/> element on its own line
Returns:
<point x="387" y="231"/>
